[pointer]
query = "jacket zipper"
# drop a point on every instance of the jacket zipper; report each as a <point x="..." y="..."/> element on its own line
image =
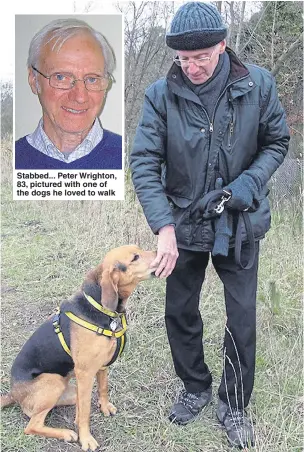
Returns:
<point x="216" y="104"/>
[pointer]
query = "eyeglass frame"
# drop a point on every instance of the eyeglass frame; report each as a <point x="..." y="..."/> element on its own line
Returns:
<point x="186" y="63"/>
<point x="109" y="77"/>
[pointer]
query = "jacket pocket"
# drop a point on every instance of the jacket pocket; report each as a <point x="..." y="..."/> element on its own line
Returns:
<point x="181" y="208"/>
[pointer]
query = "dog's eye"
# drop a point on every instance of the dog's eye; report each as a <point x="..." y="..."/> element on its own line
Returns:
<point x="135" y="258"/>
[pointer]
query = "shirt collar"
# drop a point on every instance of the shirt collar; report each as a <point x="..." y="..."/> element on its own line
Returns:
<point x="39" y="140"/>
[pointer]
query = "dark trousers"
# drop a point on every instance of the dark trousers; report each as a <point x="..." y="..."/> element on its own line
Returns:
<point x="185" y="326"/>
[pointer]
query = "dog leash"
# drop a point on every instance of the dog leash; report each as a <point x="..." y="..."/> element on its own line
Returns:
<point x="212" y="205"/>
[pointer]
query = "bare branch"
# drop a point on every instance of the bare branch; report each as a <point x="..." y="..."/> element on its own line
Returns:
<point x="253" y="31"/>
<point x="287" y="54"/>
<point x="296" y="130"/>
<point x="272" y="34"/>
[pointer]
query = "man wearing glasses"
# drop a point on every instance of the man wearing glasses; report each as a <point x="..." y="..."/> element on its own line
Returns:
<point x="70" y="68"/>
<point x="211" y="135"/>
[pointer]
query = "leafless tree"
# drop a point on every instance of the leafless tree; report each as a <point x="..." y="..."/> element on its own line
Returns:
<point x="240" y="28"/>
<point x="146" y="55"/>
<point x="219" y="6"/>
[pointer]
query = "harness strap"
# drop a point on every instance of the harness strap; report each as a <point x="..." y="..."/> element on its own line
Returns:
<point x="98" y="330"/>
<point x="64" y="344"/>
<point x="59" y="333"/>
<point x="120" y="335"/>
<point x="100" y="307"/>
<point x="121" y="341"/>
<point x="122" y="345"/>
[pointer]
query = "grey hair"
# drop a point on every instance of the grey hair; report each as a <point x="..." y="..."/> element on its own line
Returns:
<point x="59" y="31"/>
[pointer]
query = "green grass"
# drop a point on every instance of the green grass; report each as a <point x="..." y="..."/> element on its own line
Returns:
<point x="47" y="247"/>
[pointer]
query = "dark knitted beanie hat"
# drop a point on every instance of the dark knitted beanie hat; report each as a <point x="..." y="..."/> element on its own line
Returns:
<point x="196" y="26"/>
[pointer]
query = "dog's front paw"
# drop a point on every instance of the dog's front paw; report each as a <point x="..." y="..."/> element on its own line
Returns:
<point x="69" y="435"/>
<point x="88" y="443"/>
<point x="107" y="408"/>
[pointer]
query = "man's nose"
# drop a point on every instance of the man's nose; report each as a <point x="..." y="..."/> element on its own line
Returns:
<point x="192" y="68"/>
<point x="79" y="93"/>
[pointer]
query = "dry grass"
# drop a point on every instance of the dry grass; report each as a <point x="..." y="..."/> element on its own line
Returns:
<point x="47" y="247"/>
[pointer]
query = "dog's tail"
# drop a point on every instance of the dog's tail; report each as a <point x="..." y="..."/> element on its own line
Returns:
<point x="6" y="400"/>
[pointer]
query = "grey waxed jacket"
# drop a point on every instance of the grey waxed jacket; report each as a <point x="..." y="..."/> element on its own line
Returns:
<point x="179" y="151"/>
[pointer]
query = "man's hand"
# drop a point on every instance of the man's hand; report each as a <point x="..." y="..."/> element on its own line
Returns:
<point x="167" y="252"/>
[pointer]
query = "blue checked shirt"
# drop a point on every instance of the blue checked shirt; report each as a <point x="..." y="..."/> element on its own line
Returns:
<point x="39" y="140"/>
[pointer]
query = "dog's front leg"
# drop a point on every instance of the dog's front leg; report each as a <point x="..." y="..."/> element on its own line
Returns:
<point x="85" y="381"/>
<point x="105" y="406"/>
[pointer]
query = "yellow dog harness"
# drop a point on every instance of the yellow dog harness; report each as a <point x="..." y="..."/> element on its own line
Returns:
<point x="114" y="324"/>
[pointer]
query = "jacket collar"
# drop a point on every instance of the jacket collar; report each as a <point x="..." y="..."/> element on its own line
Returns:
<point x="178" y="86"/>
<point x="237" y="69"/>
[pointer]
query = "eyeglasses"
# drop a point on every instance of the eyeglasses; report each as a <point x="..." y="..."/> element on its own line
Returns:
<point x="65" y="80"/>
<point x="185" y="62"/>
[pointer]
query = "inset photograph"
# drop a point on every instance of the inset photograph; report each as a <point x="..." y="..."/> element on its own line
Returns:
<point x="69" y="92"/>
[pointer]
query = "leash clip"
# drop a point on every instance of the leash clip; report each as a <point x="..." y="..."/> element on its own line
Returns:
<point x="225" y="198"/>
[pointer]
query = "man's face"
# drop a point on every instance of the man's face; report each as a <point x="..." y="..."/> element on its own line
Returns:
<point x="200" y="74"/>
<point x="70" y="111"/>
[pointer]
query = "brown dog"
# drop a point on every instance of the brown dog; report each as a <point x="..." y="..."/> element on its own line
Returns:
<point x="89" y="328"/>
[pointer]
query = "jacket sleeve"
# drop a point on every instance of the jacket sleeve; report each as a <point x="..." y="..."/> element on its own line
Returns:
<point x="273" y="137"/>
<point x="147" y="156"/>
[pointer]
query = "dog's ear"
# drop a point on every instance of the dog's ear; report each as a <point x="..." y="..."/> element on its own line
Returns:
<point x="109" y="288"/>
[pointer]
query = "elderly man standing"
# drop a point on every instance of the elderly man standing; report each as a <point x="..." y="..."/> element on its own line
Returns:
<point x="211" y="135"/>
<point x="70" y="66"/>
